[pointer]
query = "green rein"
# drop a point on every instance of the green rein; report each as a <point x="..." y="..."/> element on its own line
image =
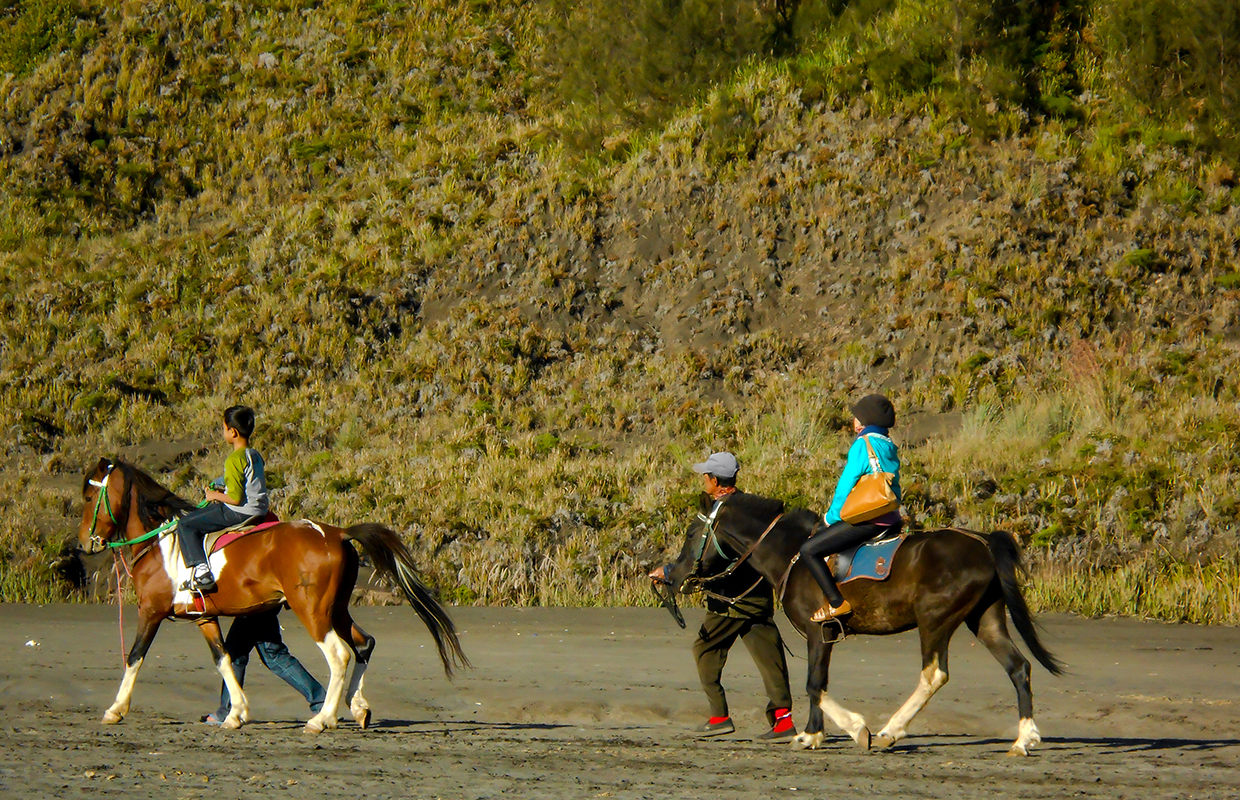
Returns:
<point x="103" y="500"/>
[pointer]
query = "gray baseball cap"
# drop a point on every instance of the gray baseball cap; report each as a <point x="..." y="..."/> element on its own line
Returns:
<point x="721" y="465"/>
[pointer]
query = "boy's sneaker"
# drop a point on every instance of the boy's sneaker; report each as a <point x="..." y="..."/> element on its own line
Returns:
<point x="715" y="726"/>
<point x="783" y="728"/>
<point x="203" y="581"/>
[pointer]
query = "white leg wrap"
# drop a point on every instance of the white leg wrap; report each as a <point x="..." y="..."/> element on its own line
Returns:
<point x="120" y="707"/>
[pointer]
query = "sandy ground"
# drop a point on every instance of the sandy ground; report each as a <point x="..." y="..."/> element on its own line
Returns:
<point x="597" y="703"/>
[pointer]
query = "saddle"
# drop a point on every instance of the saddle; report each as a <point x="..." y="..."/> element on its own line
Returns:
<point x="870" y="560"/>
<point x="218" y="540"/>
<point x="212" y="543"/>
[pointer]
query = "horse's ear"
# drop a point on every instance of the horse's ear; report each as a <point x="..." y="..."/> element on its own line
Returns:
<point x="704" y="503"/>
<point x="103" y="464"/>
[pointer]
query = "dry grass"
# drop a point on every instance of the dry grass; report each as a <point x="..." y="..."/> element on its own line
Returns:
<point x="1147" y="588"/>
<point x="357" y="221"/>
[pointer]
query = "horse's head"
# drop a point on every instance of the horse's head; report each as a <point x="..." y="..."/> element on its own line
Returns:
<point x="721" y="534"/>
<point x="105" y="505"/>
<point x="109" y="490"/>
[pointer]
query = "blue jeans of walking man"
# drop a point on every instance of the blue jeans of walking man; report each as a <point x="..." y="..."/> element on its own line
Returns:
<point x="261" y="631"/>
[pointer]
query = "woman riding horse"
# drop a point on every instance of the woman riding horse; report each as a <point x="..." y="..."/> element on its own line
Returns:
<point x="938" y="580"/>
<point x="871" y="451"/>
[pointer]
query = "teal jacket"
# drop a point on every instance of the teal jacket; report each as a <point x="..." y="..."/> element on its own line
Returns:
<point x="859" y="464"/>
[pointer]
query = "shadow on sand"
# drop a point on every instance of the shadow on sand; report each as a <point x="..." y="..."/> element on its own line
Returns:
<point x="1116" y="744"/>
<point x="456" y="726"/>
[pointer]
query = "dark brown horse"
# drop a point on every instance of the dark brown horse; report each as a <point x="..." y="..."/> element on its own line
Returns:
<point x="939" y="579"/>
<point x="305" y="565"/>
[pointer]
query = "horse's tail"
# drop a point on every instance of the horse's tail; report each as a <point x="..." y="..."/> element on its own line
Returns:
<point x="392" y="559"/>
<point x="1010" y="566"/>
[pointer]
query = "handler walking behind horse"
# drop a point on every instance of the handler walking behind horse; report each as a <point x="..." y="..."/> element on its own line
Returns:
<point x="751" y="617"/>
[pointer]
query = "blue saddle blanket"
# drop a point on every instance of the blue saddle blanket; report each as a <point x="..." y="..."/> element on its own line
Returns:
<point x="870" y="560"/>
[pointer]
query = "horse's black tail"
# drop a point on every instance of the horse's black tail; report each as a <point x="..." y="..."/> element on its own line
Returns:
<point x="1010" y="566"/>
<point x="393" y="560"/>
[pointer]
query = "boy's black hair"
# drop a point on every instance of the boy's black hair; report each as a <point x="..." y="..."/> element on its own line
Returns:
<point x="240" y="419"/>
<point x="725" y="482"/>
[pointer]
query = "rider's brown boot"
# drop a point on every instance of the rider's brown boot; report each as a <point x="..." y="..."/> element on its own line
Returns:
<point x="829" y="612"/>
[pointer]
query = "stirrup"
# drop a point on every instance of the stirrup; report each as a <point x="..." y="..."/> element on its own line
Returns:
<point x="200" y="587"/>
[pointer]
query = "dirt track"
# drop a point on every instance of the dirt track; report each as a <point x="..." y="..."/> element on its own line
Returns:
<point x="596" y="703"/>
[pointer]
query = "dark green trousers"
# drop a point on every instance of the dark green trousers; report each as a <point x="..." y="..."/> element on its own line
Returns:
<point x="761" y="637"/>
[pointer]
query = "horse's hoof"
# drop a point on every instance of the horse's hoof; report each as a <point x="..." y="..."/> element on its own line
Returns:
<point x="863" y="738"/>
<point x="363" y="718"/>
<point x="1017" y="752"/>
<point x="807" y="741"/>
<point x="111" y="718"/>
<point x="232" y="722"/>
<point x="883" y="742"/>
<point x="314" y="726"/>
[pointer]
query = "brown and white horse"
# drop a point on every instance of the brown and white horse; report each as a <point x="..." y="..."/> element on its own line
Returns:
<point x="305" y="565"/>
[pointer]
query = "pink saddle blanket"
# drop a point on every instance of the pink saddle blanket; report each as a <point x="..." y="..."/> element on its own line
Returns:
<point x="269" y="521"/>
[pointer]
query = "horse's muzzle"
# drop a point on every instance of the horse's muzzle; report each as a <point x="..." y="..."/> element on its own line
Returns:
<point x="93" y="546"/>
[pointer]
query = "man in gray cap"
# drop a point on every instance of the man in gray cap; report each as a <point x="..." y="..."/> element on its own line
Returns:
<point x="752" y="618"/>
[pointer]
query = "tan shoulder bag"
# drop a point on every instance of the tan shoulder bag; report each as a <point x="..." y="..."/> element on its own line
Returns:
<point x="872" y="496"/>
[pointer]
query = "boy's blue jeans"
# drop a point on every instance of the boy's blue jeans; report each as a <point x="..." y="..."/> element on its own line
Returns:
<point x="262" y="631"/>
<point x="194" y="526"/>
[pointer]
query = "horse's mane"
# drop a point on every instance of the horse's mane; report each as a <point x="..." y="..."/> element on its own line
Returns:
<point x="156" y="504"/>
<point x="755" y="506"/>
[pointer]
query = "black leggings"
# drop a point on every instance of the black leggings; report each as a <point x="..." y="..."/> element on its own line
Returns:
<point x="836" y="539"/>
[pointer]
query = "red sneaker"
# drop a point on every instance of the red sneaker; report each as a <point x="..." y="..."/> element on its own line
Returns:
<point x="716" y="726"/>
<point x="784" y="727"/>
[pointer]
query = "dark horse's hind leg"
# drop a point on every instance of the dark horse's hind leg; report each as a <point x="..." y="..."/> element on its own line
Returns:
<point x="363" y="645"/>
<point x="820" y="702"/>
<point x="990" y="627"/>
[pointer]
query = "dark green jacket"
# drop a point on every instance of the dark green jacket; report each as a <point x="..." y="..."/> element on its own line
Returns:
<point x="758" y="604"/>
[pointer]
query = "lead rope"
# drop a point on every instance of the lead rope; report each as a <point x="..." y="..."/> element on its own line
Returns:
<point x="118" y="561"/>
<point x="120" y="602"/>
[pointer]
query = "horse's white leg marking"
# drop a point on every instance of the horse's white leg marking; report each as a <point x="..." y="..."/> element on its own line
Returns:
<point x="850" y="722"/>
<point x="240" y="712"/>
<point x="807" y="741"/>
<point x="932" y="679"/>
<point x="337" y="654"/>
<point x="1028" y="739"/>
<point x="357" y="704"/>
<point x="117" y="711"/>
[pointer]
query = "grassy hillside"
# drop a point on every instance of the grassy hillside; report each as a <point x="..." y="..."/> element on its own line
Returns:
<point x="502" y="308"/>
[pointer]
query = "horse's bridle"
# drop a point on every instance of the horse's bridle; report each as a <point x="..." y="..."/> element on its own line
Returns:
<point x="103" y="500"/>
<point x="694" y="582"/>
<point x="707" y="536"/>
